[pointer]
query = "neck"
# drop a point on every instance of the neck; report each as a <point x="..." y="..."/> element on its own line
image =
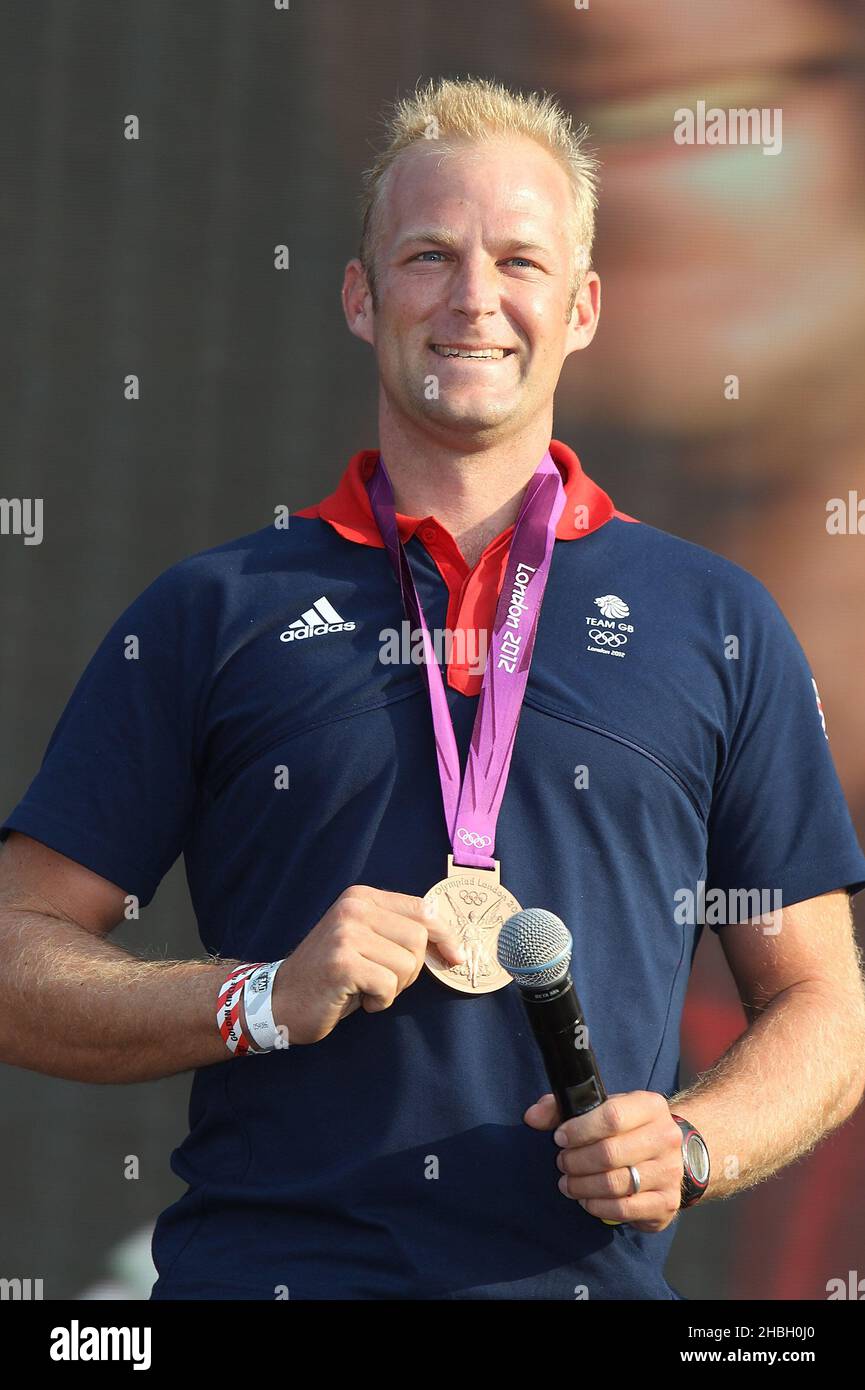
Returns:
<point x="474" y="493"/>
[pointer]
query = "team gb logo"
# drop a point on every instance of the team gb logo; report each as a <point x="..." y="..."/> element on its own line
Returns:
<point x="607" y="634"/>
<point x="612" y="606"/>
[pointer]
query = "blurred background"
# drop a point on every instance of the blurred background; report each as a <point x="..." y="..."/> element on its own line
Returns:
<point x="155" y="257"/>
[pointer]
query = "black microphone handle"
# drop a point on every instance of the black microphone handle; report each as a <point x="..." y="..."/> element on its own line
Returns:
<point x="555" y="1015"/>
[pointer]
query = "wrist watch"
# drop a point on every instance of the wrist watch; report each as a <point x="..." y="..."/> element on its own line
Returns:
<point x="695" y="1158"/>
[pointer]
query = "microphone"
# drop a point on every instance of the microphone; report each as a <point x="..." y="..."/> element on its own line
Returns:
<point x="534" y="947"/>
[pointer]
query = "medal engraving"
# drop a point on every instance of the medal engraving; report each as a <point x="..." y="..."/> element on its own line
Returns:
<point x="476" y="904"/>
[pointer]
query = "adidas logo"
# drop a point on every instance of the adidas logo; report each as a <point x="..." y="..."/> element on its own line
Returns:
<point x="320" y="618"/>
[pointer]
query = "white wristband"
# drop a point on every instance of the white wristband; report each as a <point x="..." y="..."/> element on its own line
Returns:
<point x="258" y="1007"/>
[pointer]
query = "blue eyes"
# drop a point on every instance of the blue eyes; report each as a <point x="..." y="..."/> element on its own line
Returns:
<point x="442" y="253"/>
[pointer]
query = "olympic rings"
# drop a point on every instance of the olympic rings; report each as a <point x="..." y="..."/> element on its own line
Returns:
<point x="471" y="837"/>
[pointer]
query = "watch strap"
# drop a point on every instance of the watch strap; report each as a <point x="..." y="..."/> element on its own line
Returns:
<point x="692" y="1186"/>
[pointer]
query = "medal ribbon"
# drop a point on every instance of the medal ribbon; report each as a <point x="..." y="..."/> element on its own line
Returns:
<point x="471" y="811"/>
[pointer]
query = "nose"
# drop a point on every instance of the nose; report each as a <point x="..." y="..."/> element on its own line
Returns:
<point x="474" y="289"/>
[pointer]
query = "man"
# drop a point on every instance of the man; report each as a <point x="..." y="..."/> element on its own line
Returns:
<point x="243" y="710"/>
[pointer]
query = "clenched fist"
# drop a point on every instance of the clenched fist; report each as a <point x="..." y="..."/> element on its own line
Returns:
<point x="368" y="947"/>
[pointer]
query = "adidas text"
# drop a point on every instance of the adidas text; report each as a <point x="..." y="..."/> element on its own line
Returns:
<point x="295" y="634"/>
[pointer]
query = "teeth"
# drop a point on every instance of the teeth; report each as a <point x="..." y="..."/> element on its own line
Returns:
<point x="466" y="352"/>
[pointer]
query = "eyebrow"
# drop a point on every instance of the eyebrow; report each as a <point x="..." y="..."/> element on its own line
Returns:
<point x="440" y="236"/>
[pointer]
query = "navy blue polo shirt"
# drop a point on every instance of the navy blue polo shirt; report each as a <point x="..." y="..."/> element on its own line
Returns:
<point x="670" y="737"/>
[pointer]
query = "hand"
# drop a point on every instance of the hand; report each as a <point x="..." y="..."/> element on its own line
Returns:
<point x="631" y="1127"/>
<point x="368" y="947"/>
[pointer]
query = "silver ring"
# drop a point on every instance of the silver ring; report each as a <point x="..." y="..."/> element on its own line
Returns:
<point x="635" y="1175"/>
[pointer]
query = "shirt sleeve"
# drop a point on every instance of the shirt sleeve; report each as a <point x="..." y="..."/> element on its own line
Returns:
<point x="116" y="787"/>
<point x="779" y="821"/>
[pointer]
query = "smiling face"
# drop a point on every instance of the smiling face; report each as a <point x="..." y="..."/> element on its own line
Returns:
<point x="475" y="252"/>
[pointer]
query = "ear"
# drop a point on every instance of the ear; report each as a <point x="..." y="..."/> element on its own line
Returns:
<point x="357" y="302"/>
<point x="585" y="313"/>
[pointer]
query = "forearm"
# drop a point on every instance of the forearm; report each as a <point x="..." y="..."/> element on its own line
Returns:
<point x="795" y="1074"/>
<point x="75" y="1005"/>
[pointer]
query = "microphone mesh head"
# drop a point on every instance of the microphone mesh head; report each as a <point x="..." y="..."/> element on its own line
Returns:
<point x="535" y="947"/>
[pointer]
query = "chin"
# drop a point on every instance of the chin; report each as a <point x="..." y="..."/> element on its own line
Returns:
<point x="467" y="419"/>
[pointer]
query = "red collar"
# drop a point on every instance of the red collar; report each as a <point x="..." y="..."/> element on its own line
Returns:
<point x="472" y="593"/>
<point x="348" y="511"/>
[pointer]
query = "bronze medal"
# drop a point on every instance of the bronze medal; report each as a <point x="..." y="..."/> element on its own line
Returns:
<point x="476" y="904"/>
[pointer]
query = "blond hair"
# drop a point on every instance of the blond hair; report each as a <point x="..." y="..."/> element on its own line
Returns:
<point x="474" y="109"/>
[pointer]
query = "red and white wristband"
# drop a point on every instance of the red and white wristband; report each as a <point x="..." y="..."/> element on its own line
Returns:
<point x="258" y="1008"/>
<point x="248" y="987"/>
<point x="228" y="1015"/>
